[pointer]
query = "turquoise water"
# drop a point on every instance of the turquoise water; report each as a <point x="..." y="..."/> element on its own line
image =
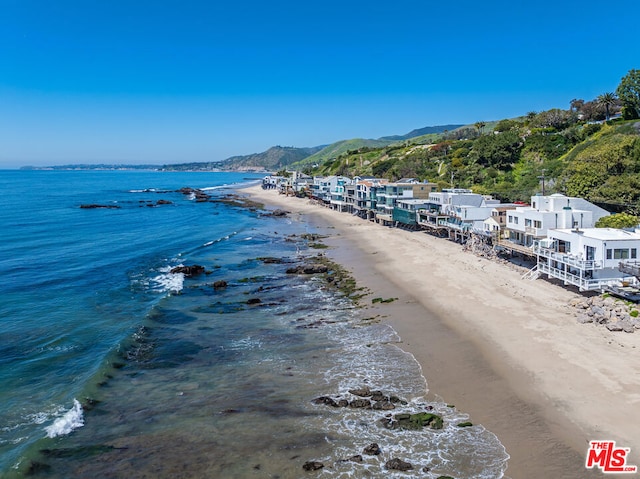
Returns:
<point x="112" y="366"/>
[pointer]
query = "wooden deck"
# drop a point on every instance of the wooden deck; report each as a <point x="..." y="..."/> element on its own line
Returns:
<point x="514" y="248"/>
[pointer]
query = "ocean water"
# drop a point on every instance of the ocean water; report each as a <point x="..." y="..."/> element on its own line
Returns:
<point x="112" y="366"/>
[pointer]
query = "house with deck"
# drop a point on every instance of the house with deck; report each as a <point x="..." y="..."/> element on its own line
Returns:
<point x="405" y="212"/>
<point x="457" y="213"/>
<point x="526" y="224"/>
<point x="338" y="193"/>
<point x="404" y="189"/>
<point x="366" y="198"/>
<point x="593" y="259"/>
<point x="495" y="225"/>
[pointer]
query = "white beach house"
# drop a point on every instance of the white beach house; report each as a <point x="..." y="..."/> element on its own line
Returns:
<point x="525" y="224"/>
<point x="593" y="259"/>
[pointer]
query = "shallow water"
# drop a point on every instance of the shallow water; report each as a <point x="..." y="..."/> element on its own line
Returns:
<point x="179" y="379"/>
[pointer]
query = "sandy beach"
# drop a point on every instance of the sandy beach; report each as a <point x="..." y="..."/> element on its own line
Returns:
<point x="507" y="351"/>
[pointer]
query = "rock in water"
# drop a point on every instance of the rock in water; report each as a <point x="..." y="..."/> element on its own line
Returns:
<point x="396" y="464"/>
<point x="312" y="466"/>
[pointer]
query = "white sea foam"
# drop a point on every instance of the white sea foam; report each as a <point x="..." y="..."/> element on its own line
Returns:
<point x="72" y="419"/>
<point x="168" y="282"/>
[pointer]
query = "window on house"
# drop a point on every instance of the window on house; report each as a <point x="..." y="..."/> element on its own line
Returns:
<point x="537" y="224"/>
<point x="609" y="254"/>
<point x="510" y="219"/>
<point x="515" y="220"/>
<point x="527" y="222"/>
<point x="634" y="253"/>
<point x="620" y="254"/>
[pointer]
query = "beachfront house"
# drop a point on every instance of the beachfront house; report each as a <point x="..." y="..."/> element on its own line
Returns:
<point x="337" y="192"/>
<point x="593" y="259"/>
<point x="405" y="212"/>
<point x="301" y="183"/>
<point x="526" y="224"/>
<point x="404" y="189"/>
<point x="350" y="196"/>
<point x="324" y="186"/>
<point x="367" y="196"/>
<point x="496" y="224"/>
<point x="456" y="211"/>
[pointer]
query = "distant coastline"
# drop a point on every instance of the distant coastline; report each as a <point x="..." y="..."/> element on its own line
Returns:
<point x="105" y="167"/>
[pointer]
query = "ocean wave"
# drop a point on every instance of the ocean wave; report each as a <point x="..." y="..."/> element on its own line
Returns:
<point x="166" y="281"/>
<point x="71" y="420"/>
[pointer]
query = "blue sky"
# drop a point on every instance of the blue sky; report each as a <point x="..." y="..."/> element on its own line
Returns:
<point x="179" y="81"/>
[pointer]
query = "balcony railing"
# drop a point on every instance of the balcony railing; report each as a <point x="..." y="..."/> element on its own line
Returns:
<point x="585" y="284"/>
<point x="568" y="259"/>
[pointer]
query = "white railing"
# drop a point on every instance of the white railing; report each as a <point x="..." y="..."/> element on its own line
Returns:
<point x="532" y="274"/>
<point x="585" y="284"/>
<point x="567" y="259"/>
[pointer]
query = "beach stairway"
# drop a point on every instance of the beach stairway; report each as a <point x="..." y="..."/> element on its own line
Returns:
<point x="532" y="274"/>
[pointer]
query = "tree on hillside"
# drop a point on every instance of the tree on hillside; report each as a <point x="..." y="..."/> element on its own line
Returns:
<point x="480" y="126"/>
<point x="554" y="118"/>
<point x="607" y="100"/>
<point x="629" y="93"/>
<point x="593" y="111"/>
<point x="576" y="104"/>
<point x="499" y="151"/>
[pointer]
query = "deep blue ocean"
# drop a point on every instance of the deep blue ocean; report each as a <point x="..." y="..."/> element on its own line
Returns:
<point x="113" y="366"/>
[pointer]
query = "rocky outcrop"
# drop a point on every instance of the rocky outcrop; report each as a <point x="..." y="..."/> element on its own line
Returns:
<point x="199" y="195"/>
<point x="614" y="314"/>
<point x="189" y="271"/>
<point x="372" y="449"/>
<point x="396" y="464"/>
<point x="278" y="213"/>
<point x="310" y="268"/>
<point x="312" y="466"/>
<point x="413" y="421"/>
<point x="93" y="206"/>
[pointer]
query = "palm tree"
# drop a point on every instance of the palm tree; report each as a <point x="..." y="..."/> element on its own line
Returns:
<point x="479" y="126"/>
<point x="607" y="99"/>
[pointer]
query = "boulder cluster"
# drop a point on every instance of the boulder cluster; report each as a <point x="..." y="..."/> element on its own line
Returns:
<point x="612" y="313"/>
<point x="368" y="399"/>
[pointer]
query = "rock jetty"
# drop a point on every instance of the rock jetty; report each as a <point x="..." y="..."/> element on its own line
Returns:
<point x="607" y="311"/>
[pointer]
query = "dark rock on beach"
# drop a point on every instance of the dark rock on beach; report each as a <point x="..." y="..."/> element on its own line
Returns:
<point x="188" y="271"/>
<point x="326" y="400"/>
<point x="360" y="403"/>
<point x="221" y="284"/>
<point x="199" y="195"/>
<point x="314" y="268"/>
<point x="312" y="466"/>
<point x="413" y="421"/>
<point x="254" y="301"/>
<point x="396" y="464"/>
<point x="278" y="213"/>
<point x="356" y="458"/>
<point x="372" y="449"/>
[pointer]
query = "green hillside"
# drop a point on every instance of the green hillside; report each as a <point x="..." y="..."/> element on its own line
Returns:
<point x="427" y="130"/>
<point x="339" y="148"/>
<point x="275" y="158"/>
<point x="600" y="162"/>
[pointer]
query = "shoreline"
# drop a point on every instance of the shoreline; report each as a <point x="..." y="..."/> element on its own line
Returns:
<point x="507" y="351"/>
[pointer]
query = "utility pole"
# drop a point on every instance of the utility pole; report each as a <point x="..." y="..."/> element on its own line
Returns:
<point x="542" y="178"/>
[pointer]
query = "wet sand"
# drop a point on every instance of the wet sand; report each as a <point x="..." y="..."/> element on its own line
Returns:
<point x="505" y="350"/>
